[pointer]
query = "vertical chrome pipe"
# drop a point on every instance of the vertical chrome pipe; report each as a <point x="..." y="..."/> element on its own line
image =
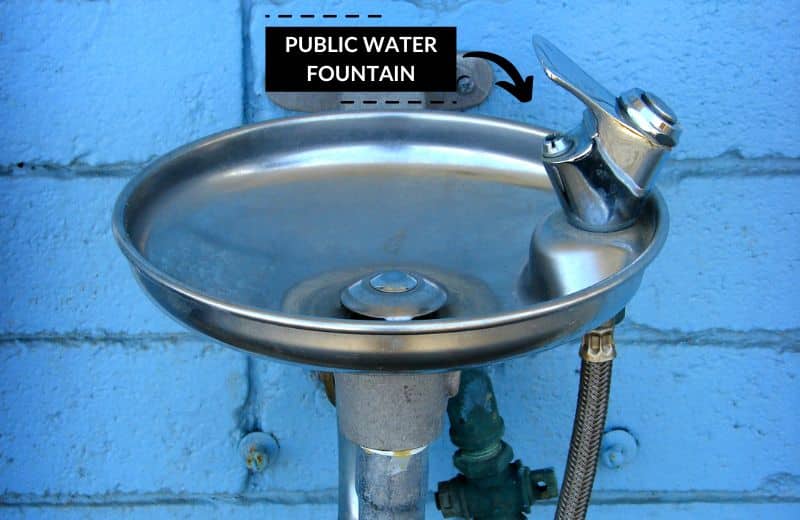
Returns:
<point x="389" y="420"/>
<point x="392" y="484"/>
<point x="348" y="496"/>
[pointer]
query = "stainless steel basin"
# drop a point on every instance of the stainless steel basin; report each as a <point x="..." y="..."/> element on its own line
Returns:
<point x="250" y="236"/>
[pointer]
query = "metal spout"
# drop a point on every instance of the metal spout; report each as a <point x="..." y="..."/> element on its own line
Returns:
<point x="603" y="169"/>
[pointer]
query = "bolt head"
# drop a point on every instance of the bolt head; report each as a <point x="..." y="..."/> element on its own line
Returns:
<point x="258" y="449"/>
<point x="465" y="84"/>
<point x="256" y="460"/>
<point x="613" y="457"/>
<point x="556" y="145"/>
<point x="618" y="448"/>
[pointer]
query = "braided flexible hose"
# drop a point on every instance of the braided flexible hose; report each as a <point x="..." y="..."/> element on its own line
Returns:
<point x="584" y="449"/>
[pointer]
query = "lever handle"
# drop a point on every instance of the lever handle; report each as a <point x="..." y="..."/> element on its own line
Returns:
<point x="566" y="73"/>
<point x="636" y="110"/>
<point x="603" y="169"/>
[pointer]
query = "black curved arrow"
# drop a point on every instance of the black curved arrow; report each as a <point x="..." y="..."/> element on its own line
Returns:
<point x="522" y="89"/>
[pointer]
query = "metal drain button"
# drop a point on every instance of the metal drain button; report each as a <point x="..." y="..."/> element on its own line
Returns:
<point x="394" y="296"/>
<point x="393" y="282"/>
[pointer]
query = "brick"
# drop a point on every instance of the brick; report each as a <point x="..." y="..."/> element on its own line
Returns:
<point x="728" y="72"/>
<point x="119" y="418"/>
<point x="291" y="403"/>
<point x="97" y="82"/>
<point x="730" y="257"/>
<point x="165" y="417"/>
<point x="62" y="270"/>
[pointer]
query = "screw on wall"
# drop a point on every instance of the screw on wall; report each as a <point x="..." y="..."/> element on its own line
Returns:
<point x="465" y="84"/>
<point x="259" y="450"/>
<point x="618" y="448"/>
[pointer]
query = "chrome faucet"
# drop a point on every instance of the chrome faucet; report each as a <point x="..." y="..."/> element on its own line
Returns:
<point x="603" y="169"/>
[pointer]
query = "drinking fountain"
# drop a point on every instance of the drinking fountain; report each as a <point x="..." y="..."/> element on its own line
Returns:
<point x="396" y="248"/>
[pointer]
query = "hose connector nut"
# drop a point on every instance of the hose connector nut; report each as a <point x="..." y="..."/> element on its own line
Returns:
<point x="598" y="345"/>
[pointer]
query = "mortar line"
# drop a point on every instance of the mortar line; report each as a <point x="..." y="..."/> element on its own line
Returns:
<point x="731" y="164"/>
<point x="328" y="496"/>
<point x="247" y="414"/>
<point x="787" y="340"/>
<point x="47" y="170"/>
<point x="84" y="338"/>
<point x="244" y="16"/>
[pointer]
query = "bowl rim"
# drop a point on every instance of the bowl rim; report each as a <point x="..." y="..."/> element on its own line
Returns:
<point x="370" y="327"/>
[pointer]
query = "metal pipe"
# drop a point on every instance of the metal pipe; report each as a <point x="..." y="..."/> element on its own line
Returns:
<point x="489" y="485"/>
<point x="348" y="497"/>
<point x="597" y="353"/>
<point x="392" y="484"/>
<point x="388" y="420"/>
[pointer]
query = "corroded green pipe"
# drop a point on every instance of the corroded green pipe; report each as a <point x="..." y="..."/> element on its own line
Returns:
<point x="489" y="485"/>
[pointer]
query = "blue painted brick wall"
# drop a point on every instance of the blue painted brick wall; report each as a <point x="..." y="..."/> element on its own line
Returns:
<point x="109" y="408"/>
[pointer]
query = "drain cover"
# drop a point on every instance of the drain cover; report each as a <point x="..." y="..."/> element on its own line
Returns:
<point x="394" y="296"/>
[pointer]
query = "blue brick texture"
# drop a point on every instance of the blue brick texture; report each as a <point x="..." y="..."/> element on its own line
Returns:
<point x="110" y="409"/>
<point x="107" y="82"/>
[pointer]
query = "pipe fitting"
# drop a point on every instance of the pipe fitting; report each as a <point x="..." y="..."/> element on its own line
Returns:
<point x="598" y="346"/>
<point x="386" y="422"/>
<point x="489" y="485"/>
<point x="393" y="412"/>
